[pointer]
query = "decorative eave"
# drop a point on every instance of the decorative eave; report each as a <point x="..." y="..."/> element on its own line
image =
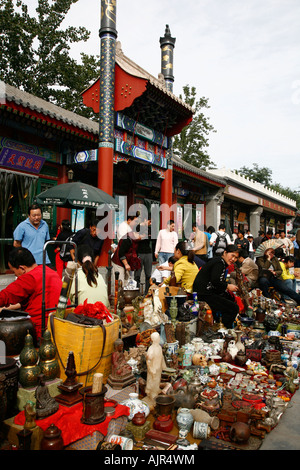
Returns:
<point x="234" y="178"/>
<point x="187" y="169"/>
<point x="143" y="97"/>
<point x="36" y="109"/>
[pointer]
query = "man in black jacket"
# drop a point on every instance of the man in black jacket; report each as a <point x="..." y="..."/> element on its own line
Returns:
<point x="212" y="288"/>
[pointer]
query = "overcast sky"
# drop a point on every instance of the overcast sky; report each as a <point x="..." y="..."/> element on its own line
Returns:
<point x="243" y="55"/>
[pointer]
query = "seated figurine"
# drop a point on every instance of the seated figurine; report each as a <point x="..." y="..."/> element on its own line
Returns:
<point x="45" y="404"/>
<point x="121" y="372"/>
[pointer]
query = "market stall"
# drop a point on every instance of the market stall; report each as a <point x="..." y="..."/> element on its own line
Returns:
<point x="184" y="382"/>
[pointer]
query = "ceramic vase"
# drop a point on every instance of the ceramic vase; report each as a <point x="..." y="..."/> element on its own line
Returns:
<point x="202" y="416"/>
<point x="172" y="347"/>
<point x="187" y="357"/>
<point x="136" y="405"/>
<point x="184" y="420"/>
<point x="240" y="346"/>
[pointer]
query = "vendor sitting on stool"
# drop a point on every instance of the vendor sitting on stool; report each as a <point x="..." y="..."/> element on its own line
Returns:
<point x="212" y="288"/>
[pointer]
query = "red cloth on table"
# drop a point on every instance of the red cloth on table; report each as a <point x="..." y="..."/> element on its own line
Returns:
<point x="67" y="419"/>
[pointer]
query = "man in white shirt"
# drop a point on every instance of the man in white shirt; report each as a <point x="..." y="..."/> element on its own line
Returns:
<point x="288" y="244"/>
<point x="166" y="242"/>
<point x="126" y="226"/>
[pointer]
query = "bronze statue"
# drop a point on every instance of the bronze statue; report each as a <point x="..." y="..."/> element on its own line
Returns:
<point x="45" y="404"/>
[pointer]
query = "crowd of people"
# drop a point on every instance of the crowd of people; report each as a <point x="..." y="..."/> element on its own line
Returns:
<point x="212" y="264"/>
<point x="208" y="264"/>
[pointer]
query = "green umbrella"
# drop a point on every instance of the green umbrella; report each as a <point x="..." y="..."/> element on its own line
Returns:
<point x="75" y="195"/>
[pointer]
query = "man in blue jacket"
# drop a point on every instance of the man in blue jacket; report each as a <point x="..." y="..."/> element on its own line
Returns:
<point x="32" y="234"/>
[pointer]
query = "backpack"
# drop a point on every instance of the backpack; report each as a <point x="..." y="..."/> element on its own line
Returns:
<point x="65" y="250"/>
<point x="220" y="244"/>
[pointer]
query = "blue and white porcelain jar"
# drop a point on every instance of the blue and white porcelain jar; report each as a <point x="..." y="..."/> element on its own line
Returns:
<point x="136" y="405"/>
<point x="184" y="420"/>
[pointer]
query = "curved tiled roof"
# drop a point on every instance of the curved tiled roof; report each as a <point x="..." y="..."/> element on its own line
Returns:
<point x="27" y="100"/>
<point x="197" y="171"/>
<point x="132" y="68"/>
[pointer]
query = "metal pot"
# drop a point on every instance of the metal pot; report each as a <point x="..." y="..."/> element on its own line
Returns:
<point x="13" y="332"/>
<point x="10" y="370"/>
<point x="164" y="404"/>
<point x="130" y="294"/>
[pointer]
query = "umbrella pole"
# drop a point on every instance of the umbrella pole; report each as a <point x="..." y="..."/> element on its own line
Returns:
<point x="75" y="221"/>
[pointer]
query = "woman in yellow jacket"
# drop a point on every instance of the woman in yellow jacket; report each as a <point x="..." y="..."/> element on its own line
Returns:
<point x="286" y="276"/>
<point x="185" y="269"/>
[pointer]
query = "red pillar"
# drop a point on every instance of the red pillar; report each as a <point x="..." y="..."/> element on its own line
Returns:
<point x="105" y="169"/>
<point x="61" y="212"/>
<point x="166" y="196"/>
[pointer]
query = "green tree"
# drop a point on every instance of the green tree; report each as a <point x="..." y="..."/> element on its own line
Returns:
<point x="262" y="175"/>
<point x="295" y="195"/>
<point x="35" y="53"/>
<point x="191" y="144"/>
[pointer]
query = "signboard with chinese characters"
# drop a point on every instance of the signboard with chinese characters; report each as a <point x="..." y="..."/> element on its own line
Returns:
<point x="22" y="161"/>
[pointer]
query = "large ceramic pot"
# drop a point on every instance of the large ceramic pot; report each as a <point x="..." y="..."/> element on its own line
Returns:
<point x="13" y="332"/>
<point x="11" y="372"/>
<point x="136" y="405"/>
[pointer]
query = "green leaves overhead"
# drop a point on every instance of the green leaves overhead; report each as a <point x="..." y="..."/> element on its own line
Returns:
<point x="191" y="144"/>
<point x="35" y="53"/>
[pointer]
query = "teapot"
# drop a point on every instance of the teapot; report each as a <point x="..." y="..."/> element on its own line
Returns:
<point x="195" y="385"/>
<point x="185" y="398"/>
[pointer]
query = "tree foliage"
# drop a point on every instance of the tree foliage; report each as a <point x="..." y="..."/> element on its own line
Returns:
<point x="35" y="53"/>
<point x="191" y="144"/>
<point x="263" y="175"/>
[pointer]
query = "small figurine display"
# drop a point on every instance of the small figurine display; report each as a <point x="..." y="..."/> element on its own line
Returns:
<point x="121" y="375"/>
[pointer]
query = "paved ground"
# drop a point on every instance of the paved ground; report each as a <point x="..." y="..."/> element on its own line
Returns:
<point x="286" y="435"/>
